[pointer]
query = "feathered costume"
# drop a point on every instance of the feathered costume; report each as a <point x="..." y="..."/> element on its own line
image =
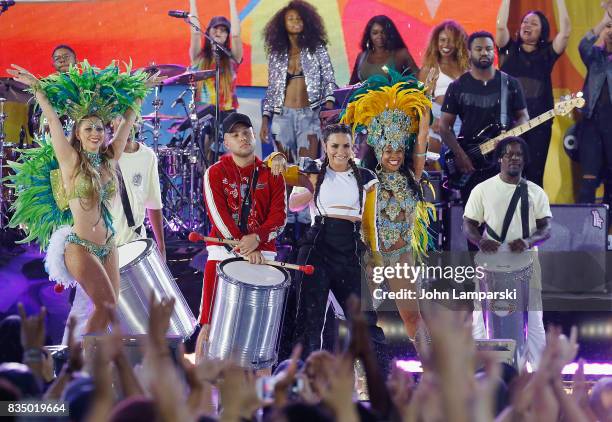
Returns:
<point x="82" y="91"/>
<point x="389" y="109"/>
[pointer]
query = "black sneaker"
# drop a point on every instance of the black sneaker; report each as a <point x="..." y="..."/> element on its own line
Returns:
<point x="190" y="342"/>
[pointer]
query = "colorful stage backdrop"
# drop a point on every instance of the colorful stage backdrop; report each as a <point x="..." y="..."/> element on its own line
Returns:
<point x="141" y="30"/>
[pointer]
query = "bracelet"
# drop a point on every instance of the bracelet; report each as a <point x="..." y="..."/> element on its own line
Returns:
<point x="33" y="355"/>
<point x="420" y="154"/>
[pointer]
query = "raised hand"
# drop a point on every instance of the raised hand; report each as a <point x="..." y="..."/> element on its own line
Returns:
<point x="159" y="320"/>
<point x="32" y="328"/>
<point x="22" y="75"/>
<point x="75" y="349"/>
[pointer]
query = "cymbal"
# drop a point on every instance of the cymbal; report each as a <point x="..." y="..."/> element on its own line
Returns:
<point x="189" y="76"/>
<point x="161" y="117"/>
<point x="167" y="70"/>
<point x="14" y="91"/>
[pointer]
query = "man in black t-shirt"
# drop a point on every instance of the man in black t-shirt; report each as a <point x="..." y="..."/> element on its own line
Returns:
<point x="476" y="97"/>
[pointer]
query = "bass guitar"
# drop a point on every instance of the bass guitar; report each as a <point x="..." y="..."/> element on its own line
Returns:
<point x="479" y="148"/>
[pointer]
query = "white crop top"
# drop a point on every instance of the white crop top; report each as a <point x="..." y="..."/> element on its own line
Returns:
<point x="442" y="84"/>
<point x="338" y="194"/>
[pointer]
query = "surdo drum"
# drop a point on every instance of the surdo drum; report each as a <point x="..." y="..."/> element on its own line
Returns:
<point x="142" y="270"/>
<point x="247" y="314"/>
<point x="507" y="272"/>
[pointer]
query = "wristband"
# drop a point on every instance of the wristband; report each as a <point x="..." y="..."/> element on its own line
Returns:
<point x="420" y="154"/>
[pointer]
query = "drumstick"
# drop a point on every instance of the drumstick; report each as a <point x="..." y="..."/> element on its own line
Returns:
<point x="197" y="237"/>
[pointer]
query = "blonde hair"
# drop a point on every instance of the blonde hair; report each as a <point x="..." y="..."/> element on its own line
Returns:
<point x="86" y="169"/>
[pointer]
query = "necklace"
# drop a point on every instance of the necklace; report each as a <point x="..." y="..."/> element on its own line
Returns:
<point x="393" y="182"/>
<point x="94" y="158"/>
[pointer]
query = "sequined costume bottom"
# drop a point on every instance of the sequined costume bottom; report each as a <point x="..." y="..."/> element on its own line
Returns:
<point x="100" y="251"/>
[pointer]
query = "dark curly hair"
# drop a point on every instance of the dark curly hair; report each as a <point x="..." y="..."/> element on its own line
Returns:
<point x="502" y="147"/>
<point x="393" y="39"/>
<point x="327" y="132"/>
<point x="275" y="35"/>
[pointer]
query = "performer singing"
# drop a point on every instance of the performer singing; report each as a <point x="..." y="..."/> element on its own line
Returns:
<point x="530" y="58"/>
<point x="397" y="124"/>
<point x="596" y="134"/>
<point x="488" y="205"/>
<point x="80" y="175"/>
<point x="342" y="201"/>
<point x="381" y="45"/>
<point x="300" y="79"/>
<point x="226" y="33"/>
<point x="476" y="97"/>
<point x="244" y="202"/>
<point x="448" y="55"/>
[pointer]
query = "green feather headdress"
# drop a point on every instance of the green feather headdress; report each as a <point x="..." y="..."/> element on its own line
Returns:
<point x="35" y="209"/>
<point x="87" y="90"/>
<point x="389" y="108"/>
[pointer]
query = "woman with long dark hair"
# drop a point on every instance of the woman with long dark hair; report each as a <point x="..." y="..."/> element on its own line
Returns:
<point x="381" y="45"/>
<point x="342" y="203"/>
<point x="300" y="79"/>
<point x="530" y="58"/>
<point x="227" y="33"/>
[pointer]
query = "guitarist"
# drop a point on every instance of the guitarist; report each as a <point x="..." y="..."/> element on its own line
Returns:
<point x="476" y="97"/>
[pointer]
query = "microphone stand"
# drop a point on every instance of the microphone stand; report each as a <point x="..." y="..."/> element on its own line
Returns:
<point x="217" y="50"/>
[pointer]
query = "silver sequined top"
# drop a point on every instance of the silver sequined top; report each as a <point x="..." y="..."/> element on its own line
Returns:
<point x="318" y="73"/>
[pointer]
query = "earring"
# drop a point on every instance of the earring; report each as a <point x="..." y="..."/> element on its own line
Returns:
<point x="368" y="44"/>
<point x="378" y="168"/>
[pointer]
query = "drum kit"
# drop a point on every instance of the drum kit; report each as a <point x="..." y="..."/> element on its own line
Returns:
<point x="14" y="134"/>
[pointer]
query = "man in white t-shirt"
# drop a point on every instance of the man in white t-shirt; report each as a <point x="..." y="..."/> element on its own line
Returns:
<point x="138" y="165"/>
<point x="487" y="205"/>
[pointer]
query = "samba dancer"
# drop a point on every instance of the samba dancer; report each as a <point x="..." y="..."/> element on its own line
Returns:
<point x="397" y="124"/>
<point x="530" y="58"/>
<point x="342" y="202"/>
<point x="81" y="177"/>
<point x="246" y="202"/>
<point x="140" y="194"/>
<point x="488" y="205"/>
<point x="226" y="33"/>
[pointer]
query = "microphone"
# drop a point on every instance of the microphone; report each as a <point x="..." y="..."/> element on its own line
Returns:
<point x="176" y="14"/>
<point x="179" y="99"/>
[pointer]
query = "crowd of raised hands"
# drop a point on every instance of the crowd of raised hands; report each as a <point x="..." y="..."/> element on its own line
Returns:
<point x="457" y="384"/>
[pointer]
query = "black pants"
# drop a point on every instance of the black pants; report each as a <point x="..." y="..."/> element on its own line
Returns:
<point x="538" y="141"/>
<point x="596" y="155"/>
<point x="334" y="247"/>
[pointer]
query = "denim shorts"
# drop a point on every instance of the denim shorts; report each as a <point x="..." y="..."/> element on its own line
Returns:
<point x="292" y="127"/>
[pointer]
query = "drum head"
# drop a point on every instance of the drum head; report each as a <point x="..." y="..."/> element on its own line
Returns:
<point x="503" y="260"/>
<point x="132" y="251"/>
<point x="254" y="275"/>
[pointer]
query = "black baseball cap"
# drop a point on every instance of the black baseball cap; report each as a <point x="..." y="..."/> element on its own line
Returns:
<point x="220" y="20"/>
<point x="232" y="119"/>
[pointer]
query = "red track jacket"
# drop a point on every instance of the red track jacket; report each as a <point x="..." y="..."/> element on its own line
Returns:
<point x="224" y="187"/>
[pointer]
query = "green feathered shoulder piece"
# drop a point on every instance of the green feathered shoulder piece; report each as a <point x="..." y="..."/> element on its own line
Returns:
<point x="87" y="90"/>
<point x="35" y="209"/>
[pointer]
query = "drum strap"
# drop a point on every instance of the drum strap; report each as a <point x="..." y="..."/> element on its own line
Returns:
<point x="503" y="115"/>
<point x="247" y="202"/>
<point x="519" y="193"/>
<point x="125" y="202"/>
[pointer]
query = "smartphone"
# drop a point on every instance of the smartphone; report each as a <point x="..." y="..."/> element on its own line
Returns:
<point x="265" y="386"/>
